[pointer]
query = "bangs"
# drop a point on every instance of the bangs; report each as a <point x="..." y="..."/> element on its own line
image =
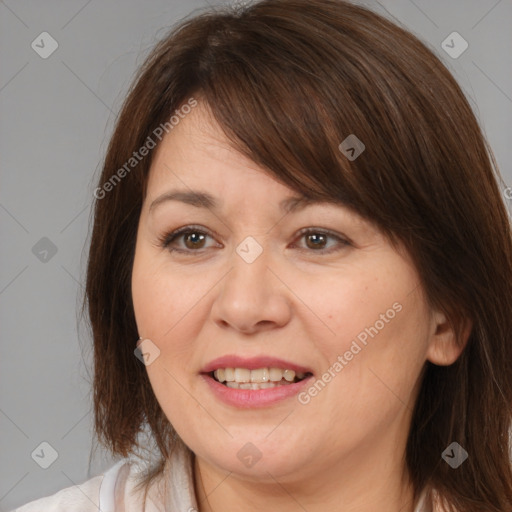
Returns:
<point x="291" y="114"/>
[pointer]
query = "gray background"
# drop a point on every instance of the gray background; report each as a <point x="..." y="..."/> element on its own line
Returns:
<point x="56" y="118"/>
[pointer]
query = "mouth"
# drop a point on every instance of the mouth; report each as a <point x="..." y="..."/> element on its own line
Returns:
<point x="256" y="379"/>
<point x="254" y="382"/>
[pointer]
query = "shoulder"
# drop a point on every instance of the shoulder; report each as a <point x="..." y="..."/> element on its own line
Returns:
<point x="118" y="489"/>
<point x="93" y="495"/>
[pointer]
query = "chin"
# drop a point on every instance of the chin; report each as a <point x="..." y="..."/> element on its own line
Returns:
<point x="263" y="461"/>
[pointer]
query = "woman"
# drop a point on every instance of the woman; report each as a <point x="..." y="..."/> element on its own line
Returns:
<point x="299" y="277"/>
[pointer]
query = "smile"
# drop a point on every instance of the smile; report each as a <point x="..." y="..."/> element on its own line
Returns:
<point x="260" y="378"/>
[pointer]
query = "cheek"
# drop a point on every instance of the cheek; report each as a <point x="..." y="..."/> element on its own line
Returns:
<point x="381" y="361"/>
<point x="354" y="304"/>
<point x="373" y="338"/>
<point x="166" y="310"/>
<point x="163" y="301"/>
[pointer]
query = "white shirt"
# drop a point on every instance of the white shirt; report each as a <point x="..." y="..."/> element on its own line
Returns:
<point x="114" y="491"/>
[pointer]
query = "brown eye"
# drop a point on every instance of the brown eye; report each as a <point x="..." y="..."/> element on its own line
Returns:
<point x="316" y="240"/>
<point x="190" y="239"/>
<point x="187" y="239"/>
<point x="323" y="242"/>
<point x="193" y="239"/>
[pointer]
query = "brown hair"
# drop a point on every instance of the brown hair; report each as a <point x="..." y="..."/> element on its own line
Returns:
<point x="288" y="81"/>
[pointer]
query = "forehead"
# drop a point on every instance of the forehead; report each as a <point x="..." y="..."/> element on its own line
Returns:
<point x="197" y="165"/>
<point x="196" y="153"/>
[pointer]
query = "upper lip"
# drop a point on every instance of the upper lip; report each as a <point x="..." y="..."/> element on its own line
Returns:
<point x="253" y="363"/>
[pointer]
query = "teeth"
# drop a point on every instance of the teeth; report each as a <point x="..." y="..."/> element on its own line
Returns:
<point x="255" y="385"/>
<point x="243" y="377"/>
<point x="220" y="374"/>
<point x="289" y="375"/>
<point x="261" y="375"/>
<point x="276" y="374"/>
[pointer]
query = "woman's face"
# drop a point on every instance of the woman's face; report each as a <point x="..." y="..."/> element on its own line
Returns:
<point x="246" y="289"/>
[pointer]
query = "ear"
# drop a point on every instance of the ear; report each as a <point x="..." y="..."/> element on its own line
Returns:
<point x="446" y="344"/>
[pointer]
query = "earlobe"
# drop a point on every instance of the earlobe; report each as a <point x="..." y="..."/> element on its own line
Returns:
<point x="445" y="344"/>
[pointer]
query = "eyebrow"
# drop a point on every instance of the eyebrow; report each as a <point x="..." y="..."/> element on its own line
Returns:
<point x="204" y="200"/>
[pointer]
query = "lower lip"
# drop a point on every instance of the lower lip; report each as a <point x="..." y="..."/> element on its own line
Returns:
<point x="251" y="398"/>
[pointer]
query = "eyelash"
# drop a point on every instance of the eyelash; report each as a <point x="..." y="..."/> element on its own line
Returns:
<point x="168" y="238"/>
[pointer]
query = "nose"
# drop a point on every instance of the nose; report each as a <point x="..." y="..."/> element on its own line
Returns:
<point x="252" y="297"/>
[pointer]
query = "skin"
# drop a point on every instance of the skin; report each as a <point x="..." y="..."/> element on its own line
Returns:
<point x="344" y="450"/>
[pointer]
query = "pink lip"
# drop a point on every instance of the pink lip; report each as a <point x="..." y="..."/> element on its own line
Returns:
<point x="248" y="398"/>
<point x="252" y="363"/>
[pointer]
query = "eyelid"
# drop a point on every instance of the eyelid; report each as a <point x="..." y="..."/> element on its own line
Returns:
<point x="167" y="238"/>
<point x="342" y="239"/>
